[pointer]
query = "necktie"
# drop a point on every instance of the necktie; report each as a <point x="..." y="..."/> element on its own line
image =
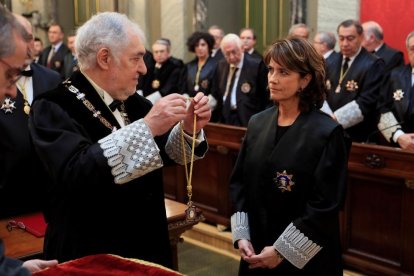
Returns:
<point x="345" y="66"/>
<point x="27" y="73"/>
<point x="115" y="105"/>
<point x="229" y="81"/>
<point x="50" y="56"/>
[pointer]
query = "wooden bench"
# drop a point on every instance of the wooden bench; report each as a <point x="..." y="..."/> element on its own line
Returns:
<point x="22" y="245"/>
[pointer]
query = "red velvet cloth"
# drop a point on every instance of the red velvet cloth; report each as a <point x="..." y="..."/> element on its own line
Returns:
<point x="106" y="265"/>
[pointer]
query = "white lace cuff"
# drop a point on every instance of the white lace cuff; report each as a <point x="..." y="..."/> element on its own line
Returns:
<point x="174" y="147"/>
<point x="240" y="226"/>
<point x="131" y="152"/>
<point x="388" y="125"/>
<point x="349" y="115"/>
<point x="296" y="247"/>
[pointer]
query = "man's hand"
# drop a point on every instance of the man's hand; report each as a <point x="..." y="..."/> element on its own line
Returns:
<point x="406" y="141"/>
<point x="166" y="113"/>
<point x="198" y="107"/>
<point x="38" y="265"/>
<point x="245" y="248"/>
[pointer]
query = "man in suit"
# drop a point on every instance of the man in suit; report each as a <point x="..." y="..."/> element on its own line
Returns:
<point x="163" y="80"/>
<point x="18" y="153"/>
<point x="324" y="43"/>
<point x="374" y="43"/>
<point x="218" y="34"/>
<point x="13" y="53"/>
<point x="397" y="105"/>
<point x="240" y="84"/>
<point x="53" y="56"/>
<point x="70" y="61"/>
<point x="248" y="39"/>
<point x="353" y="83"/>
<point x="300" y="30"/>
<point x="38" y="48"/>
<point x="103" y="145"/>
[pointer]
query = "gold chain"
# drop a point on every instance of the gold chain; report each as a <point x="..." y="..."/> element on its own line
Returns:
<point x="22" y="88"/>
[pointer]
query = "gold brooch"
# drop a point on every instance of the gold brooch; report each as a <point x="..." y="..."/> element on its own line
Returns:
<point x="284" y="181"/>
<point x="246" y="87"/>
<point x="155" y="84"/>
<point x="398" y="95"/>
<point x="351" y="86"/>
<point x="204" y="84"/>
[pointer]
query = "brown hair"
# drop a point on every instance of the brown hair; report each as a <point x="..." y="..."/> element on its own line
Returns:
<point x="298" y="55"/>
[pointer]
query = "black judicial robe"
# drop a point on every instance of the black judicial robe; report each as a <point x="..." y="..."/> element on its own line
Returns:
<point x="205" y="80"/>
<point x="89" y="213"/>
<point x="314" y="151"/>
<point x="20" y="168"/>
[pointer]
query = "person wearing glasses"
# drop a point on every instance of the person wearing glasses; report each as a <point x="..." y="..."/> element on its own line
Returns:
<point x="103" y="146"/>
<point x="324" y="43"/>
<point x="18" y="150"/>
<point x="13" y="53"/>
<point x="353" y="83"/>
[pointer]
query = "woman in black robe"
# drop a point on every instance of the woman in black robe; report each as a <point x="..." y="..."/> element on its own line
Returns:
<point x="289" y="181"/>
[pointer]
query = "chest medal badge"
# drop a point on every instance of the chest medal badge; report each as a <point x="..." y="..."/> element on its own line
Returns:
<point x="284" y="181"/>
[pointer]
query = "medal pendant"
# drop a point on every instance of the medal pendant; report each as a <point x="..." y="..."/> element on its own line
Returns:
<point x="338" y="89"/>
<point x="26" y="109"/>
<point x="196" y="87"/>
<point x="191" y="213"/>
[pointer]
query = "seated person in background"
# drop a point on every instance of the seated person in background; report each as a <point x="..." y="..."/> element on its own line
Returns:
<point x="324" y="43"/>
<point x="164" y="79"/>
<point x="397" y="105"/>
<point x="218" y="34"/>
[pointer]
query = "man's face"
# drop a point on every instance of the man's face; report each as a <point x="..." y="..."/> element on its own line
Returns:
<point x="38" y="48"/>
<point x="349" y="40"/>
<point x="232" y="52"/>
<point x="125" y="72"/>
<point x="55" y="34"/>
<point x="247" y="39"/>
<point x="320" y="46"/>
<point x="216" y="33"/>
<point x="300" y="32"/>
<point x="368" y="39"/>
<point x="160" y="53"/>
<point x="71" y="43"/>
<point x="10" y="68"/>
<point x="410" y="51"/>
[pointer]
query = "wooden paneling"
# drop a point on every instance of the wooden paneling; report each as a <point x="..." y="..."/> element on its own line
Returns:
<point x="377" y="221"/>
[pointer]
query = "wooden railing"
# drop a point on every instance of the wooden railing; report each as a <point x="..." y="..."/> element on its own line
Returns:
<point x="377" y="222"/>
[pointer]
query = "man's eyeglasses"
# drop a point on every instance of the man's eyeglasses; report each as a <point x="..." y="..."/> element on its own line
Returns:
<point x="15" y="224"/>
<point x="12" y="74"/>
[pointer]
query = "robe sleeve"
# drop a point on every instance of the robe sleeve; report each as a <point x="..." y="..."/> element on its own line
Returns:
<point x="306" y="235"/>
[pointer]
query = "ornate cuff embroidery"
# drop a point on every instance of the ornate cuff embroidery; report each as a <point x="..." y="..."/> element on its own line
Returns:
<point x="349" y="115"/>
<point x="296" y="247"/>
<point x="388" y="125"/>
<point x="174" y="147"/>
<point x="240" y="226"/>
<point x="131" y="152"/>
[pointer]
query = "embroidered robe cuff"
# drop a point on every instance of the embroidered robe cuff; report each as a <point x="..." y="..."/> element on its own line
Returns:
<point x="388" y="125"/>
<point x="295" y="247"/>
<point x="174" y="147"/>
<point x="240" y="227"/>
<point x="349" y="115"/>
<point x="131" y="152"/>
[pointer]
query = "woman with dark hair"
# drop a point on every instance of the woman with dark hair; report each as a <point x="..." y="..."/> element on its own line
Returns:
<point x="289" y="180"/>
<point x="198" y="73"/>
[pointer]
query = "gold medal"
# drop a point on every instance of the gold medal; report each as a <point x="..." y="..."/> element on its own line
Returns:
<point x="196" y="87"/>
<point x="191" y="212"/>
<point x="338" y="89"/>
<point x="26" y="108"/>
<point x="155" y="84"/>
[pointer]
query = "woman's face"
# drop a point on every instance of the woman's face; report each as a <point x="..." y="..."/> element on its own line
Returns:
<point x="284" y="83"/>
<point x="201" y="49"/>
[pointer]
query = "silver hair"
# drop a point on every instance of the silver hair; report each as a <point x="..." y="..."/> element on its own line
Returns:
<point x="231" y="38"/>
<point x="165" y="42"/>
<point x="8" y="27"/>
<point x="297" y="26"/>
<point x="410" y="35"/>
<point x="328" y="38"/>
<point x="107" y="29"/>
<point x="373" y="28"/>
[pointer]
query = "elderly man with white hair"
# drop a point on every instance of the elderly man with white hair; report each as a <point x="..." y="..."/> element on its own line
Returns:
<point x="103" y="144"/>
